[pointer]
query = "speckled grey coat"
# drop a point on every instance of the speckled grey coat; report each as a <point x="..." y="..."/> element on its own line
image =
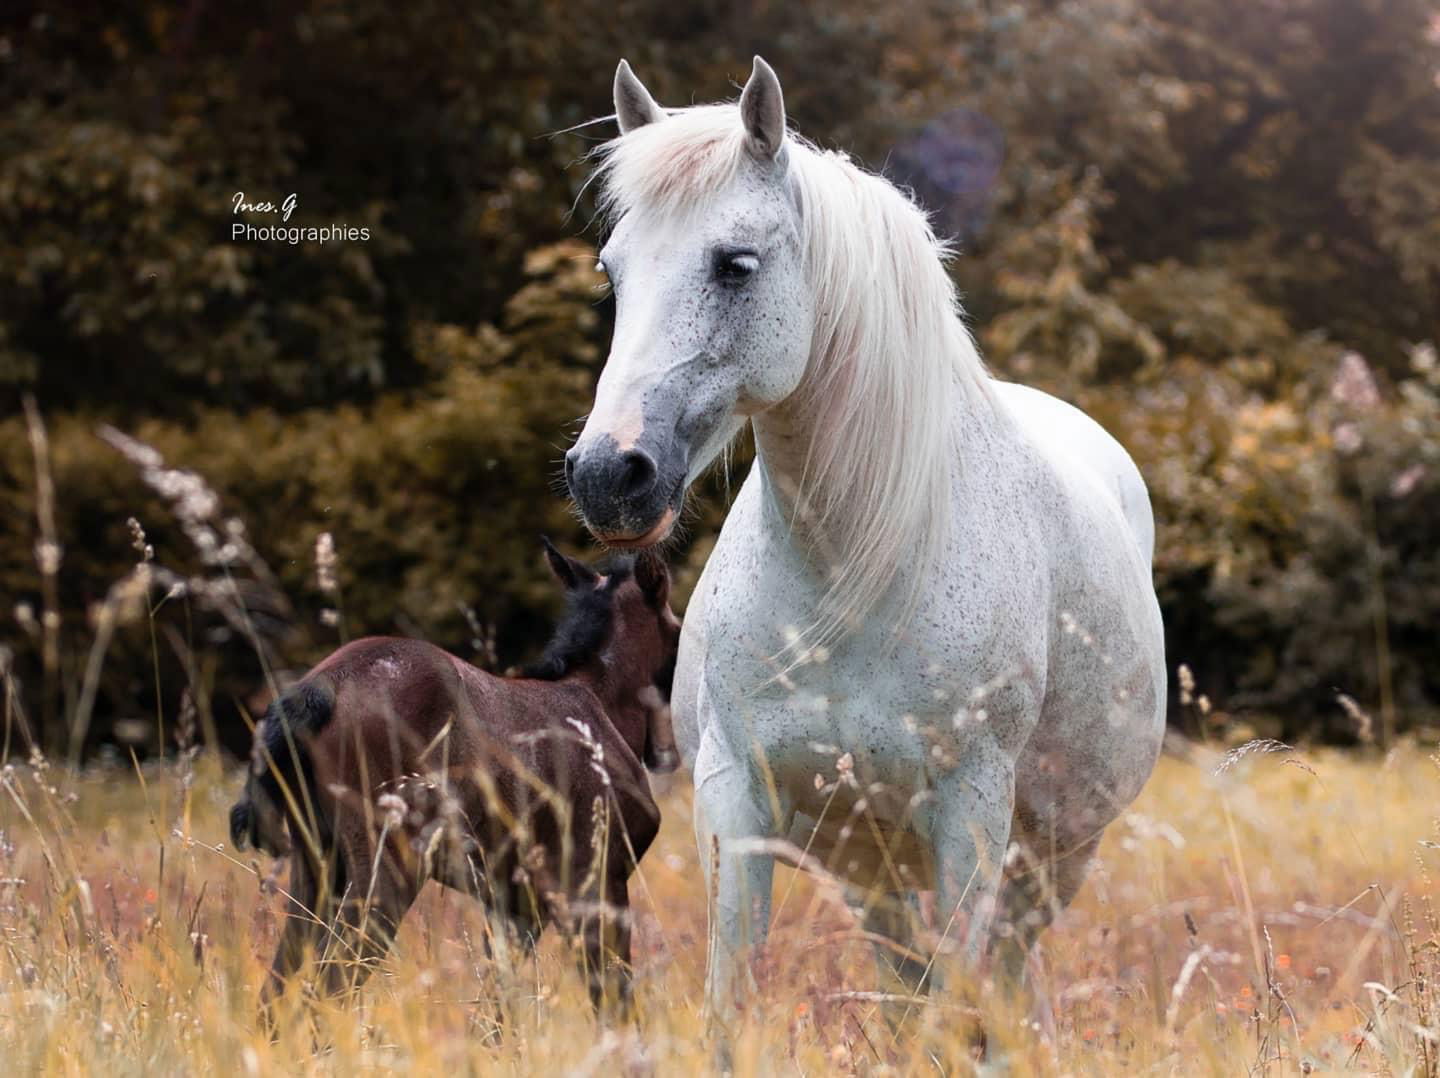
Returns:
<point x="979" y="747"/>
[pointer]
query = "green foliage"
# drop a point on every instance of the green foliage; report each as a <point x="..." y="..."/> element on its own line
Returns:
<point x="436" y="501"/>
<point x="1298" y="552"/>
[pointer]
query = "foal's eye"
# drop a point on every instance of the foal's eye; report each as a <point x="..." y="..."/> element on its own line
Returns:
<point x="735" y="267"/>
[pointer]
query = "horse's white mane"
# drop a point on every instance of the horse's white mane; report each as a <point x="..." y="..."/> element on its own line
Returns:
<point x="892" y="370"/>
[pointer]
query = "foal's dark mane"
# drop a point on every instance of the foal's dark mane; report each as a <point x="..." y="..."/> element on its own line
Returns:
<point x="584" y="626"/>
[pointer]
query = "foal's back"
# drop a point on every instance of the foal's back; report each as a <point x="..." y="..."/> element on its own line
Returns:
<point x="407" y="709"/>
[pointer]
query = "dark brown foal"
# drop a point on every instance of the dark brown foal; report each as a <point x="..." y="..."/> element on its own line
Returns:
<point x="393" y="762"/>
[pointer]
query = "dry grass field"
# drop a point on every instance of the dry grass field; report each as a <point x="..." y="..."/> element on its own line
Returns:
<point x="1272" y="918"/>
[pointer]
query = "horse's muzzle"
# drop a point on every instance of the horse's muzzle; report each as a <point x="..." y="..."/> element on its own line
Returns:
<point x="628" y="496"/>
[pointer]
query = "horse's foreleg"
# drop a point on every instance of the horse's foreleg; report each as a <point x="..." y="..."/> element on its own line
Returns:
<point x="893" y="918"/>
<point x="969" y="830"/>
<point x="1035" y="892"/>
<point x="732" y="807"/>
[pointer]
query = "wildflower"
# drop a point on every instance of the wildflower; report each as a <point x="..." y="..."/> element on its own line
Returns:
<point x="138" y="540"/>
<point x="394" y="808"/>
<point x="1364" y="725"/>
<point x="1347" y="438"/>
<point x="1354" y="385"/>
<point x="597" y="750"/>
<point x="1187" y="685"/>
<point x="1404" y="483"/>
<point x="47" y="557"/>
<point x="325" y="562"/>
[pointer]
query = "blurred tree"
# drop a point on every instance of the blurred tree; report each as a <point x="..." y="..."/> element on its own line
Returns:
<point x="435" y="501"/>
<point x="440" y="132"/>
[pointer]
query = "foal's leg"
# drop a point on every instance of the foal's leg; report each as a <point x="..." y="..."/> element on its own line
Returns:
<point x="731" y="806"/>
<point x="308" y="912"/>
<point x="378" y="893"/>
<point x="605" y="961"/>
<point x="513" y="923"/>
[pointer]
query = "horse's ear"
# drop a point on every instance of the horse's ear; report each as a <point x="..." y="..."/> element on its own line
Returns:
<point x="762" y="110"/>
<point x="571" y="573"/>
<point x="653" y="578"/>
<point x="634" y="107"/>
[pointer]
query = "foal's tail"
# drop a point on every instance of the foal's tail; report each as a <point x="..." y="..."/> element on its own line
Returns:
<point x="279" y="787"/>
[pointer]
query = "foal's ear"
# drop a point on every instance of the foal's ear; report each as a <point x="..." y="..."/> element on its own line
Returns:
<point x="634" y="107"/>
<point x="653" y="578"/>
<point x="573" y="574"/>
<point x="762" y="110"/>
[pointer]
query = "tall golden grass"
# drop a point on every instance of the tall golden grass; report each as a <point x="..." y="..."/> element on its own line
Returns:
<point x="1272" y="918"/>
<point x="1263" y="911"/>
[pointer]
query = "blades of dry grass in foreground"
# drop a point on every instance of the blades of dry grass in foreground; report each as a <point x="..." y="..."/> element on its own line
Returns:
<point x="132" y="943"/>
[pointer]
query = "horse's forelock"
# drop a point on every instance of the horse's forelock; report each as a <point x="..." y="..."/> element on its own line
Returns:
<point x="672" y="166"/>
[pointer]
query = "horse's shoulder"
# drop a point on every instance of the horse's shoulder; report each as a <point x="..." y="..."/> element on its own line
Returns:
<point x="1086" y="461"/>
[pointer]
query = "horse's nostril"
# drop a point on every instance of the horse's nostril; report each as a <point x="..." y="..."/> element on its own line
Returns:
<point x="570" y="458"/>
<point x="638" y="476"/>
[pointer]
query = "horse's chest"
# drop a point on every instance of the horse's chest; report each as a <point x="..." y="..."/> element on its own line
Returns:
<point x="884" y="712"/>
<point x="900" y="705"/>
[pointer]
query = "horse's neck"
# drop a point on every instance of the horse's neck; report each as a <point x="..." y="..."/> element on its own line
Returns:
<point x="783" y="438"/>
<point x="782" y="446"/>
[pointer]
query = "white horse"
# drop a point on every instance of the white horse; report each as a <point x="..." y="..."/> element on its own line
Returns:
<point x="926" y="647"/>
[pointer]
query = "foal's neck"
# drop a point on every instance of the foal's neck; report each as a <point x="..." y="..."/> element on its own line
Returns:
<point x="619" y="691"/>
<point x="612" y="683"/>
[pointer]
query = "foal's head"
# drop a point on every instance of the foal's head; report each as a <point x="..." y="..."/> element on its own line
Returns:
<point x="619" y="633"/>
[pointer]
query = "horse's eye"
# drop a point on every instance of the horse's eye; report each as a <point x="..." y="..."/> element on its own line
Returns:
<point x="735" y="267"/>
<point x="607" y="286"/>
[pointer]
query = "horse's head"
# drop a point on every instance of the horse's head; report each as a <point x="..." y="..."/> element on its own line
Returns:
<point x="619" y="631"/>
<point x="713" y="315"/>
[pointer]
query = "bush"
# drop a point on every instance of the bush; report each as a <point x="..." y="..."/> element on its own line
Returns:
<point x="435" y="501"/>
<point x="1298" y="545"/>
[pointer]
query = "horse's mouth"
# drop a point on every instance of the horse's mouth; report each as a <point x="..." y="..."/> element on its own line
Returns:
<point x="646" y="539"/>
